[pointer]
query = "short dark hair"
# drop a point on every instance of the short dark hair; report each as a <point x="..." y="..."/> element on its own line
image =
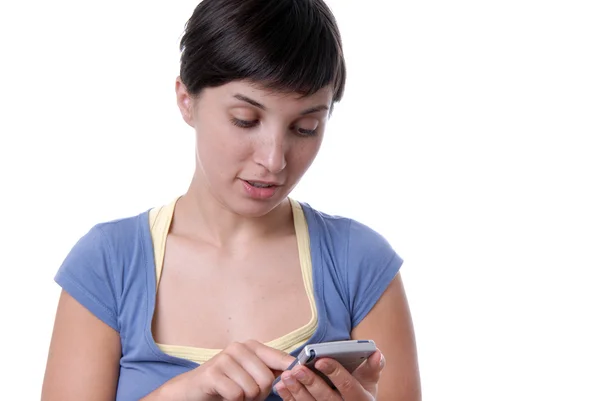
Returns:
<point x="284" y="45"/>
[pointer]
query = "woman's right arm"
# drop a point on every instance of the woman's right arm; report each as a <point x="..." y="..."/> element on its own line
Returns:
<point x="83" y="364"/>
<point x="242" y="371"/>
<point x="83" y="361"/>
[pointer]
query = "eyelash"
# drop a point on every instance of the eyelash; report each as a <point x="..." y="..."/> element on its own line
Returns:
<point x="244" y="123"/>
<point x="251" y="124"/>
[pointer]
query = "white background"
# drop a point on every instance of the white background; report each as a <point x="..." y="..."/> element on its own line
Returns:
<point x="468" y="137"/>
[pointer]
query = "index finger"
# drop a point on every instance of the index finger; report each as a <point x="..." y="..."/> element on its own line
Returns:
<point x="275" y="359"/>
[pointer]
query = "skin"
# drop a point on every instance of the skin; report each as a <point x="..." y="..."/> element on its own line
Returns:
<point x="243" y="132"/>
<point x="389" y="324"/>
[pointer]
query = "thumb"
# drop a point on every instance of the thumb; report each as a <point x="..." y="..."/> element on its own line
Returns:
<point x="370" y="371"/>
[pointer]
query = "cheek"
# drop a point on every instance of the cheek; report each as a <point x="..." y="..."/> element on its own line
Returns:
<point x="222" y="143"/>
<point x="303" y="154"/>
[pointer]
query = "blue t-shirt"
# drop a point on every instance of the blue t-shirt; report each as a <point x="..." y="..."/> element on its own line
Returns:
<point x="111" y="272"/>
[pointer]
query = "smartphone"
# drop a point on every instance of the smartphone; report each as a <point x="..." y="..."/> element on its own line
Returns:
<point x="350" y="354"/>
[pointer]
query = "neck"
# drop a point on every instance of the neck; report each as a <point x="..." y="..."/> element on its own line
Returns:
<point x="200" y="215"/>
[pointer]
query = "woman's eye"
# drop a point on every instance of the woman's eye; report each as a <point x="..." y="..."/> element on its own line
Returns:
<point x="307" y="132"/>
<point x="243" y="123"/>
<point x="306" y="127"/>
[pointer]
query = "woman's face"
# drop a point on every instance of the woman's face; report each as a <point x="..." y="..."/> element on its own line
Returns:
<point x="253" y="145"/>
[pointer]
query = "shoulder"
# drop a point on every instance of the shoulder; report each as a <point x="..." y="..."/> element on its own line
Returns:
<point x="113" y="237"/>
<point x="122" y="228"/>
<point x="110" y="245"/>
<point x="341" y="229"/>
<point x="359" y="258"/>
<point x="93" y="270"/>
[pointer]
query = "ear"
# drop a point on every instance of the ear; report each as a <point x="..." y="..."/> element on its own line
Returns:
<point x="185" y="102"/>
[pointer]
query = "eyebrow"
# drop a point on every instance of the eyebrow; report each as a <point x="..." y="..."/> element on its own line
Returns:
<point x="263" y="107"/>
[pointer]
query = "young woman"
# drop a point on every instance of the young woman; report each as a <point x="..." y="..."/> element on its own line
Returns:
<point x="211" y="296"/>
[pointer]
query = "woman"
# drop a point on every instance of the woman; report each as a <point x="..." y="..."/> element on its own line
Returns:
<point x="211" y="296"/>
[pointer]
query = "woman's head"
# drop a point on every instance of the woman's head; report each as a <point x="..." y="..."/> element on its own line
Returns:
<point x="258" y="81"/>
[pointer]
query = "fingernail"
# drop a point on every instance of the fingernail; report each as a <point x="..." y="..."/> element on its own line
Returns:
<point x="381" y="362"/>
<point x="289" y="380"/>
<point x="300" y="375"/>
<point x="325" y="367"/>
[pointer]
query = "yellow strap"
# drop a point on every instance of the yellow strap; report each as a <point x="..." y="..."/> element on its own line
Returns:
<point x="160" y="223"/>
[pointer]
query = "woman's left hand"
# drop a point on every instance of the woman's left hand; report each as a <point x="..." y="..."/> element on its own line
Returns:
<point x="300" y="384"/>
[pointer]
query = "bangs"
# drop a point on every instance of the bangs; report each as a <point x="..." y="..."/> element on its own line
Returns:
<point x="283" y="45"/>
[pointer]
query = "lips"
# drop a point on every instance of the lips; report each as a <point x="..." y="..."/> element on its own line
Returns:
<point x="262" y="184"/>
<point x="260" y="190"/>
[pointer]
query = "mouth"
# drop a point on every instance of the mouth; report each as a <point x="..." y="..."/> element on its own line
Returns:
<point x="262" y="184"/>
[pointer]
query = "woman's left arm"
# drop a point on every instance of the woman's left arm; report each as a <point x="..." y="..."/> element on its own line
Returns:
<point x="389" y="324"/>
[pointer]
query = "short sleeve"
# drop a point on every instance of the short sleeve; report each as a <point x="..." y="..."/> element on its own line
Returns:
<point x="86" y="275"/>
<point x="372" y="264"/>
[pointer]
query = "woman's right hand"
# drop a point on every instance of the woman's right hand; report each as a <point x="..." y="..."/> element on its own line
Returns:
<point x="241" y="372"/>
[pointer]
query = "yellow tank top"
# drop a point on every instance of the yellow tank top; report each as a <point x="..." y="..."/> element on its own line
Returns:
<point x="160" y="223"/>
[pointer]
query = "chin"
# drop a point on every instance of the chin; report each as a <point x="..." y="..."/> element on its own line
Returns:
<point x="254" y="208"/>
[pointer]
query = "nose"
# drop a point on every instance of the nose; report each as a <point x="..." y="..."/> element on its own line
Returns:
<point x="271" y="151"/>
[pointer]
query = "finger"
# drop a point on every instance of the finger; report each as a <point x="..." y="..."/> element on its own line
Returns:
<point x="306" y="384"/>
<point x="253" y="366"/>
<point x="284" y="393"/>
<point x="277" y="373"/>
<point x="227" y="389"/>
<point x="297" y="390"/>
<point x="370" y="371"/>
<point x="229" y="366"/>
<point x="348" y="386"/>
<point x="275" y="359"/>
